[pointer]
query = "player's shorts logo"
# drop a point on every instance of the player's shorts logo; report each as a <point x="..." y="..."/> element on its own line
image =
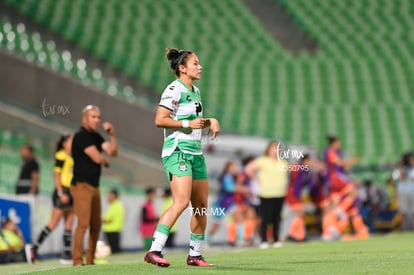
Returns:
<point x="182" y="167"/>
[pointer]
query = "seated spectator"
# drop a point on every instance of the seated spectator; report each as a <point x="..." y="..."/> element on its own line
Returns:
<point x="11" y="243"/>
<point x="370" y="197"/>
<point x="406" y="200"/>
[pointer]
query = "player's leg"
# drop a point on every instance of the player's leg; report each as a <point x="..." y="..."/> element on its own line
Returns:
<point x="266" y="218"/>
<point x="349" y="195"/>
<point x="56" y="215"/>
<point x="199" y="196"/>
<point x="198" y="223"/>
<point x="82" y="203"/>
<point x="113" y="241"/>
<point x="94" y="226"/>
<point x="361" y="230"/>
<point x="250" y="224"/>
<point x="69" y="216"/>
<point x="330" y="226"/>
<point x="217" y="219"/>
<point x="297" y="226"/>
<point x="232" y="233"/>
<point x="46" y="231"/>
<point x="214" y="227"/>
<point x="181" y="192"/>
<point x="278" y="205"/>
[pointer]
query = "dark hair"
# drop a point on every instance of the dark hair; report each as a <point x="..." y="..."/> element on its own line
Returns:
<point x="247" y="160"/>
<point x="406" y="158"/>
<point x="225" y="170"/>
<point x="266" y="152"/>
<point x="149" y="190"/>
<point x="177" y="58"/>
<point x="59" y="144"/>
<point x="5" y="221"/>
<point x="167" y="192"/>
<point x="331" y="139"/>
<point x="28" y="147"/>
<point x="114" y="192"/>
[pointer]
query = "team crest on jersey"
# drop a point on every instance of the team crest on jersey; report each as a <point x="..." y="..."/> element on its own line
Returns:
<point x="182" y="167"/>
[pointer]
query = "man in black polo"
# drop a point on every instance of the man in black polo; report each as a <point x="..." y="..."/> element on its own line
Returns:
<point x="28" y="182"/>
<point x="87" y="147"/>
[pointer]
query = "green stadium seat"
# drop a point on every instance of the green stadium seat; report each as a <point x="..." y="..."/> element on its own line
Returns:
<point x="364" y="60"/>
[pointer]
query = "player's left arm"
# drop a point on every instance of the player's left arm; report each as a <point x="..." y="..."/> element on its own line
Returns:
<point x="107" y="218"/>
<point x="35" y="182"/>
<point x="110" y="147"/>
<point x="252" y="168"/>
<point x="214" y="126"/>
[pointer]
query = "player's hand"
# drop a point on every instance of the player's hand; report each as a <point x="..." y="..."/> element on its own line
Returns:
<point x="197" y="123"/>
<point x="214" y="127"/>
<point x="355" y="160"/>
<point x="105" y="162"/>
<point x="109" y="128"/>
<point x="64" y="198"/>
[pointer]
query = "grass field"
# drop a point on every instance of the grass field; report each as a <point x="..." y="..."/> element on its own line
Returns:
<point x="387" y="254"/>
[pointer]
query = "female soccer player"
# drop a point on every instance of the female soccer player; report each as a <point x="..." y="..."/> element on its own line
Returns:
<point x="62" y="200"/>
<point x="226" y="197"/>
<point x="342" y="189"/>
<point x="180" y="113"/>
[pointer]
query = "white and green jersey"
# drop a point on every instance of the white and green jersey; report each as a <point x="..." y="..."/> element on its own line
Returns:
<point x="185" y="104"/>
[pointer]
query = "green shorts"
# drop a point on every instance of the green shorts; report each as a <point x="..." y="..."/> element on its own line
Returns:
<point x="182" y="164"/>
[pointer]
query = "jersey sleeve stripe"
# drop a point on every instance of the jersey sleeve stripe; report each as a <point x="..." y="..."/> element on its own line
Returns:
<point x="166" y="107"/>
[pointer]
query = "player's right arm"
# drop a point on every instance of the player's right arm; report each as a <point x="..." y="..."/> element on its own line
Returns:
<point x="252" y="168"/>
<point x="163" y="120"/>
<point x="169" y="104"/>
<point x="95" y="155"/>
<point x="57" y="172"/>
<point x="342" y="162"/>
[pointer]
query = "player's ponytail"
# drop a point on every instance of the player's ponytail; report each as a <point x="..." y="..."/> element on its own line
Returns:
<point x="62" y="140"/>
<point x="177" y="58"/>
<point x="331" y="139"/>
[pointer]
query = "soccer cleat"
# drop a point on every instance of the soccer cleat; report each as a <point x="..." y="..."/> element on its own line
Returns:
<point x="66" y="258"/>
<point x="197" y="261"/>
<point x="31" y="254"/>
<point x="277" y="245"/>
<point x="155" y="257"/>
<point x="264" y="245"/>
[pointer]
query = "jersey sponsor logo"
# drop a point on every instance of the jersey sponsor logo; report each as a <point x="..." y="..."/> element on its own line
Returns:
<point x="199" y="108"/>
<point x="166" y="97"/>
<point x="182" y="167"/>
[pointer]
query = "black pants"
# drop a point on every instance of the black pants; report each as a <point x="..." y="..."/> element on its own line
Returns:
<point x="113" y="241"/>
<point x="270" y="210"/>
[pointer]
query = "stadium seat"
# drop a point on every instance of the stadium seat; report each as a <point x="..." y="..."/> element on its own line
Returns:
<point x="364" y="59"/>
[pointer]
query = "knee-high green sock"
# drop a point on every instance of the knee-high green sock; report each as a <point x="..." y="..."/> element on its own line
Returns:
<point x="160" y="237"/>
<point x="195" y="244"/>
